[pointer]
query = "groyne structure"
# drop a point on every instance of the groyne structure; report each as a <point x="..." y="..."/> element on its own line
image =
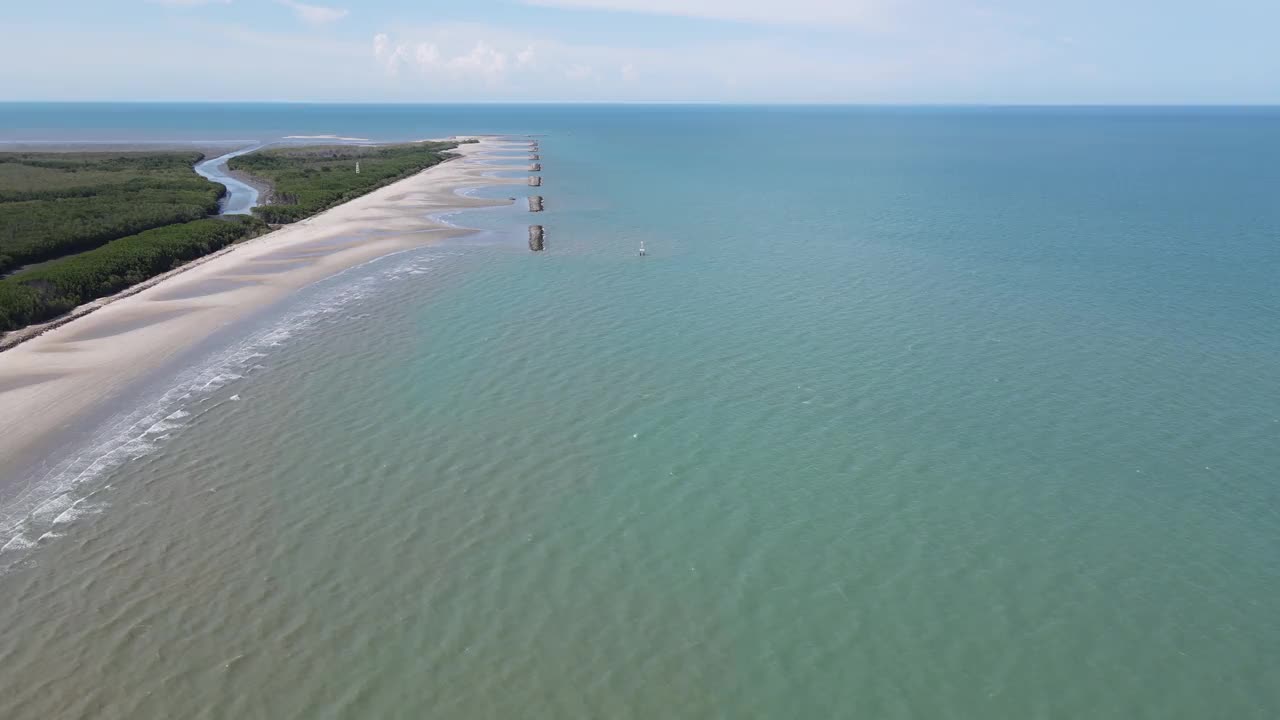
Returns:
<point x="537" y="237"/>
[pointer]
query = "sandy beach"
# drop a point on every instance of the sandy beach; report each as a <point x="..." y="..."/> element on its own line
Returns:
<point x="49" y="381"/>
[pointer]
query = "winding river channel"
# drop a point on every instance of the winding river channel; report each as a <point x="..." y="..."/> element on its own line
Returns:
<point x="241" y="197"/>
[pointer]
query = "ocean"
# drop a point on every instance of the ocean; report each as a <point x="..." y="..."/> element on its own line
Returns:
<point x="907" y="413"/>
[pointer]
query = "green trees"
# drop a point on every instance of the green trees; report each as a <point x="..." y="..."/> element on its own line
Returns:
<point x="310" y="179"/>
<point x="99" y="222"/>
<point x="19" y="305"/>
<point x="47" y="291"/>
<point x="55" y="204"/>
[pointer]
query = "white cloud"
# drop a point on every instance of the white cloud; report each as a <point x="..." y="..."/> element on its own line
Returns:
<point x="391" y="56"/>
<point x="579" y="71"/>
<point x="452" y="55"/>
<point x="460" y="60"/>
<point x="772" y="12"/>
<point x="483" y="60"/>
<point x="190" y="3"/>
<point x="317" y="14"/>
<point x="141" y="64"/>
<point x="909" y="51"/>
<point x="467" y="61"/>
<point x="427" y="55"/>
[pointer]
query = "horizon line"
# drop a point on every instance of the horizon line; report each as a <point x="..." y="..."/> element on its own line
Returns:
<point x="701" y="103"/>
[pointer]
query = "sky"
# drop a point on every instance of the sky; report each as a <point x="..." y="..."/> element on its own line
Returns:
<point x="734" y="51"/>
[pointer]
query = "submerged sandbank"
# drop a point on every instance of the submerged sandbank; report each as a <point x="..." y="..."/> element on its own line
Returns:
<point x="50" y="381"/>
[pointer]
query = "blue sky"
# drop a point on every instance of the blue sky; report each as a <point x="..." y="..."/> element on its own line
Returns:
<point x="858" y="51"/>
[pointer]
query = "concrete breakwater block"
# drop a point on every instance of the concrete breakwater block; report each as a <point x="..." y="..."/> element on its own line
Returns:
<point x="536" y="167"/>
<point x="537" y="240"/>
<point x="535" y="181"/>
<point x="535" y="203"/>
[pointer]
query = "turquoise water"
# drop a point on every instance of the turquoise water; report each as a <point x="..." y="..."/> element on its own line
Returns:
<point x="917" y="413"/>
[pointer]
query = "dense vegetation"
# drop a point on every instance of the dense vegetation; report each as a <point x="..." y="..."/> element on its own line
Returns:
<point x="47" y="291"/>
<point x="55" y="204"/>
<point x="132" y="216"/>
<point x="307" y="180"/>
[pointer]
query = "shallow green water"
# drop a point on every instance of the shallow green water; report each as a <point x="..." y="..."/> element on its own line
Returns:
<point x="913" y="414"/>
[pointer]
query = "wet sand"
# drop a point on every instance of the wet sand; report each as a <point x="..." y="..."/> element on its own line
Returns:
<point x="50" y="381"/>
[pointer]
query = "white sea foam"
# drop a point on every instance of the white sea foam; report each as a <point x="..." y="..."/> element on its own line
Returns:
<point x="77" y="510"/>
<point x="57" y="498"/>
<point x="17" y="542"/>
<point x="445" y="218"/>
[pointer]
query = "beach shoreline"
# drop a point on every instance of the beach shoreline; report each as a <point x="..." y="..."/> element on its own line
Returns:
<point x="68" y="368"/>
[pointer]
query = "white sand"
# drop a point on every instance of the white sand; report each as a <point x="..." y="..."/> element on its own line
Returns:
<point x="49" y="381"/>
